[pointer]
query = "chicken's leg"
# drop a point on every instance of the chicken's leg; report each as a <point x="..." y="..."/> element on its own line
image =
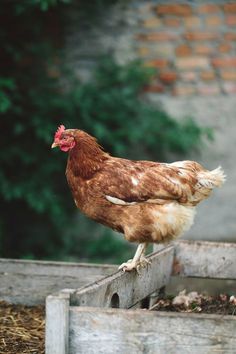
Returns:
<point x="138" y="261"/>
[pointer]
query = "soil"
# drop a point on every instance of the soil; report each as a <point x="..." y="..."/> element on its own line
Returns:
<point x="21" y="329"/>
<point x="221" y="305"/>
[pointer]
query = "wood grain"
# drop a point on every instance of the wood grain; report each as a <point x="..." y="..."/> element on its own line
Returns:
<point x="18" y="266"/>
<point x="109" y="331"/>
<point x="205" y="259"/>
<point x="57" y="323"/>
<point x="100" y="329"/>
<point x="129" y="287"/>
<point x="29" y="282"/>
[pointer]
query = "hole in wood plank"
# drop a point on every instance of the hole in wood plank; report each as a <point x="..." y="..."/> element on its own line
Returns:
<point x="115" y="301"/>
<point x="145" y="303"/>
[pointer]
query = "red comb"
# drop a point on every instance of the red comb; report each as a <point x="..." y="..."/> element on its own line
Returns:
<point x="59" y="131"/>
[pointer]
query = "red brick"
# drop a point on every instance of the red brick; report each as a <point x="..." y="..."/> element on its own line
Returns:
<point x="203" y="49"/>
<point x="174" y="9"/>
<point x="143" y="51"/>
<point x="183" y="50"/>
<point x="154" y="88"/>
<point x="224" y="62"/>
<point x="230" y="20"/>
<point x="168" y="77"/>
<point x="172" y="22"/>
<point x="230" y="36"/>
<point x="230" y="7"/>
<point x="208" y="75"/>
<point x="224" y="48"/>
<point x="228" y="75"/>
<point x="213" y="21"/>
<point x="229" y="87"/>
<point x="152" y="22"/>
<point x="164" y="50"/>
<point x="192" y="63"/>
<point x="208" y="9"/>
<point x="145" y="8"/>
<point x="157" y="63"/>
<point x="212" y="89"/>
<point x="192" y="22"/>
<point x="184" y="90"/>
<point x="188" y="76"/>
<point x="157" y="36"/>
<point x="201" y="36"/>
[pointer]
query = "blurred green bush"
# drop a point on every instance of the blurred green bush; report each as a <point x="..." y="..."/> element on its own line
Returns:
<point x="37" y="212"/>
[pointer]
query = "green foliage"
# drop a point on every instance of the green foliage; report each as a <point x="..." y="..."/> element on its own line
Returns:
<point x="7" y="85"/>
<point x="94" y="242"/>
<point x="36" y="207"/>
<point x="44" y="5"/>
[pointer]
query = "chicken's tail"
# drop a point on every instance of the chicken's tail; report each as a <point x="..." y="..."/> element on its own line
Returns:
<point x="218" y="176"/>
<point x="207" y="181"/>
<point x="211" y="179"/>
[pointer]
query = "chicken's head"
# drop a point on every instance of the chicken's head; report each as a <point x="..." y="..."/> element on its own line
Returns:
<point x="64" y="139"/>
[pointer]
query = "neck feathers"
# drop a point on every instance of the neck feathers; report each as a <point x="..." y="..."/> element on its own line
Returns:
<point x="87" y="157"/>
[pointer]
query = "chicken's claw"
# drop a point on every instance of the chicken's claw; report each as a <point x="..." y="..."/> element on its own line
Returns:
<point x="132" y="264"/>
<point x="128" y="266"/>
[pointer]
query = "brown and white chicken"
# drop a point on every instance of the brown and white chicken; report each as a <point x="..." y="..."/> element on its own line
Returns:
<point x="149" y="202"/>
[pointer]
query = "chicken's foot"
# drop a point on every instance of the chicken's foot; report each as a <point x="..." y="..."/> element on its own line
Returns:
<point x="138" y="261"/>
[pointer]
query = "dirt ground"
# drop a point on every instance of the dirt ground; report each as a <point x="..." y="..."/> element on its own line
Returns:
<point x="22" y="328"/>
<point x="193" y="302"/>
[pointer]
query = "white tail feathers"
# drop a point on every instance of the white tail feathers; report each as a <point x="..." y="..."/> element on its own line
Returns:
<point x="207" y="181"/>
<point x="218" y="176"/>
<point x="211" y="179"/>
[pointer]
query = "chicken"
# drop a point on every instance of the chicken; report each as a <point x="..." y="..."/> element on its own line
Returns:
<point x="149" y="202"/>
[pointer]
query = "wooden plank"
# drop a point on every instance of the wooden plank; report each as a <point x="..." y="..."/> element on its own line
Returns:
<point x="29" y="282"/>
<point x="18" y="266"/>
<point x="212" y="287"/>
<point x="124" y="290"/>
<point x="57" y="323"/>
<point x="32" y="290"/>
<point x="205" y="259"/>
<point x="110" y="331"/>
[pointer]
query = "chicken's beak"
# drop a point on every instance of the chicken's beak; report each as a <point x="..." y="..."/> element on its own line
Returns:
<point x="54" y="145"/>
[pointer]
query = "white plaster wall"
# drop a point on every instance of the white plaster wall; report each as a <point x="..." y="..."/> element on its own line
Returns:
<point x="216" y="217"/>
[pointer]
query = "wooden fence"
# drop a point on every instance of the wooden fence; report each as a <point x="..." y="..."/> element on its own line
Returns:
<point x="100" y="317"/>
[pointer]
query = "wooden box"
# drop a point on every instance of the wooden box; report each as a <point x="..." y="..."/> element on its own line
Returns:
<point x="104" y="317"/>
<point x="29" y="282"/>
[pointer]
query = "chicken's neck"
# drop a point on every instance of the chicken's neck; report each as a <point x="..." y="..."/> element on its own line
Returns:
<point x="86" y="159"/>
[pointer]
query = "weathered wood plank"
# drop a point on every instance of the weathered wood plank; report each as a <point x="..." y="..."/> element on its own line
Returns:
<point x="115" y="331"/>
<point x="208" y="286"/>
<point x="32" y="290"/>
<point x="18" y="266"/>
<point x="29" y="282"/>
<point x="57" y="323"/>
<point x="205" y="259"/>
<point x="124" y="290"/>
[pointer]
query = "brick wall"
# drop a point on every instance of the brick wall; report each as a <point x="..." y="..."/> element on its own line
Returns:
<point x="192" y="46"/>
